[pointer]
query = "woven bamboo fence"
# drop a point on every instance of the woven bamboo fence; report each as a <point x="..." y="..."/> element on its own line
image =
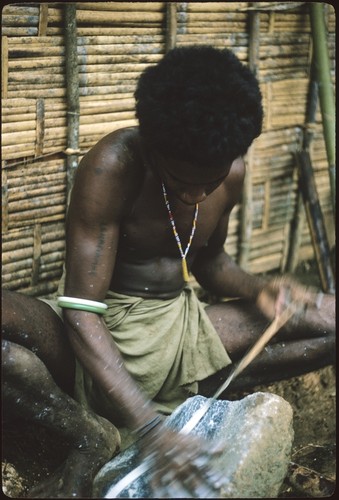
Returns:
<point x="115" y="41"/>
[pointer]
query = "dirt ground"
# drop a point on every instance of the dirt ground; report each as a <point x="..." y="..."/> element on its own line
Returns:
<point x="29" y="453"/>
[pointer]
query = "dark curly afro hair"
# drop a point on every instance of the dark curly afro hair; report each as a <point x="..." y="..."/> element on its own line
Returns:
<point x="199" y="104"/>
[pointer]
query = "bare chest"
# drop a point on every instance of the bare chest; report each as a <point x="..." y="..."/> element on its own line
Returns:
<point x="147" y="232"/>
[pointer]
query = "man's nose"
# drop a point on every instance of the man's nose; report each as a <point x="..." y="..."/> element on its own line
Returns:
<point x="194" y="195"/>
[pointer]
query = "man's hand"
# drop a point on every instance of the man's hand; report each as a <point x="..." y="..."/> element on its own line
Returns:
<point x="280" y="292"/>
<point x="182" y="466"/>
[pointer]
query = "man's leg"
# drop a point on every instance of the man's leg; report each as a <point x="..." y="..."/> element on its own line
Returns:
<point x="33" y="324"/>
<point x="302" y="345"/>
<point x="31" y="371"/>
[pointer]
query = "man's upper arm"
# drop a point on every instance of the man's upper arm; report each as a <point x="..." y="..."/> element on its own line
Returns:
<point x="92" y="232"/>
<point x="233" y="190"/>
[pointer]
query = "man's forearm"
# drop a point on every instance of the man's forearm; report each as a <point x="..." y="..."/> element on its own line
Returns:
<point x="220" y="275"/>
<point x="97" y="352"/>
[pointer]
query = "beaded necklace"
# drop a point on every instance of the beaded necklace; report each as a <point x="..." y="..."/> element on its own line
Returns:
<point x="175" y="232"/>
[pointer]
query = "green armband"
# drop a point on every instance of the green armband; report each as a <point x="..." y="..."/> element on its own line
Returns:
<point x="82" y="304"/>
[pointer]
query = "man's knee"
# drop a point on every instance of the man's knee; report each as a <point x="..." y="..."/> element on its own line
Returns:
<point x="16" y="358"/>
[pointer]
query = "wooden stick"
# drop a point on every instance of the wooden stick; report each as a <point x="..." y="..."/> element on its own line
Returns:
<point x="315" y="221"/>
<point x="36" y="254"/>
<point x="171" y="26"/>
<point x="274" y="327"/>
<point x="43" y="19"/>
<point x="40" y="126"/>
<point x="72" y="76"/>
<point x="326" y="93"/>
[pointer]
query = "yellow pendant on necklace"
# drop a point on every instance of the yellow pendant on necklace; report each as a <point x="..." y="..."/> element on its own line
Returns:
<point x="184" y="269"/>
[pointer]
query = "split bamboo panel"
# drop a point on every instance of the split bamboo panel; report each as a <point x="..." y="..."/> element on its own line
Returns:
<point x="114" y="46"/>
<point x="283" y="72"/>
<point x="27" y="123"/>
<point x="33" y="226"/>
<point x="111" y="18"/>
<point x="32" y="257"/>
<point x="34" y="193"/>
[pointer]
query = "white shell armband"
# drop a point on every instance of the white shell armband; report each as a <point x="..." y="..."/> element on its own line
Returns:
<point x="82" y="304"/>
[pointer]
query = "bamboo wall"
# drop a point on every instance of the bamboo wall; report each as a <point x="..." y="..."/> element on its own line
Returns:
<point x="115" y="42"/>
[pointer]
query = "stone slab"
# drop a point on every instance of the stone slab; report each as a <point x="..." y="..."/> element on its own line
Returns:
<point x="256" y="434"/>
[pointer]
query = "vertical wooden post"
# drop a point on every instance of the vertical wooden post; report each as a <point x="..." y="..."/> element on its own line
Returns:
<point x="72" y="92"/>
<point x="246" y="218"/>
<point x="43" y="19"/>
<point x="326" y="93"/>
<point x="316" y="222"/>
<point x="4" y="199"/>
<point x="4" y="67"/>
<point x="297" y="226"/>
<point x="298" y="221"/>
<point x="40" y="126"/>
<point x="36" y="254"/>
<point x="171" y="26"/>
<point x="308" y="193"/>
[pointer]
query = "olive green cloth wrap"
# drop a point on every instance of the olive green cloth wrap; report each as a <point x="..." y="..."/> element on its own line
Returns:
<point x="167" y="347"/>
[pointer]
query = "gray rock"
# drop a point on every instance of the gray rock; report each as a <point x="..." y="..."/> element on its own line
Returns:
<point x="256" y="435"/>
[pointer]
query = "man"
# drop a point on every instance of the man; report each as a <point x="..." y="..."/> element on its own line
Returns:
<point x="149" y="204"/>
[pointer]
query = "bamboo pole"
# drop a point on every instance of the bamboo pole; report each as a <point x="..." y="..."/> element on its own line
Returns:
<point x="171" y="26"/>
<point x="36" y="93"/>
<point x="4" y="67"/>
<point x="16" y="278"/>
<point x="52" y="238"/>
<point x="19" y="210"/>
<point x="48" y="258"/>
<point x="36" y="254"/>
<point x="315" y="221"/>
<point x="73" y="107"/>
<point x="326" y="95"/>
<point x="212" y="17"/>
<point x="23" y="195"/>
<point x="319" y="234"/>
<point x="122" y="6"/>
<point x="44" y="42"/>
<point x="154" y="30"/>
<point x="108" y="17"/>
<point x="10" y="248"/>
<point x="297" y="225"/>
<point x="4" y="200"/>
<point x="48" y="174"/>
<point x="299" y="219"/>
<point x="40" y="214"/>
<point x="40" y="126"/>
<point x="25" y="253"/>
<point x="246" y="223"/>
<point x="213" y="6"/>
<point x="43" y="19"/>
<point x="16" y="31"/>
<point x="42" y="289"/>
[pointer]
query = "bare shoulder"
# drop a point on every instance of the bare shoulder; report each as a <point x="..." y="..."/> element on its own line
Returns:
<point x="115" y="154"/>
<point x="234" y="182"/>
<point x="110" y="173"/>
<point x="237" y="172"/>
